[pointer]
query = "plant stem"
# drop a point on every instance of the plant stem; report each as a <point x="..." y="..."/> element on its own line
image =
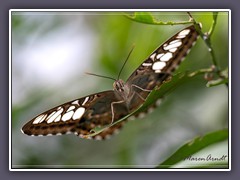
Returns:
<point x="207" y="39"/>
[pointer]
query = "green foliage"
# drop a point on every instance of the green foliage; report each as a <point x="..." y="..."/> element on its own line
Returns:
<point x="148" y="18"/>
<point x="194" y="146"/>
<point x="116" y="34"/>
<point x="177" y="80"/>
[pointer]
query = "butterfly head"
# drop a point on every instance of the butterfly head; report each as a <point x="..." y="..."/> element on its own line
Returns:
<point x="119" y="85"/>
<point x="121" y="89"/>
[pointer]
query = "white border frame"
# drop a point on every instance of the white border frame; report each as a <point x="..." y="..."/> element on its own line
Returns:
<point x="113" y="10"/>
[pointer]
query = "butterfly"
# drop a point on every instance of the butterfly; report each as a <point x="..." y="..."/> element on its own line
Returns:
<point x="82" y="115"/>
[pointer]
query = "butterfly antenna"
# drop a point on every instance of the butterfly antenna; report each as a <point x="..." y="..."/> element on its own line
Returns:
<point x="100" y="76"/>
<point x="125" y="61"/>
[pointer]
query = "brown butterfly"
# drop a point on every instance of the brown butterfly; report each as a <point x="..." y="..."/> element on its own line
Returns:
<point x="81" y="115"/>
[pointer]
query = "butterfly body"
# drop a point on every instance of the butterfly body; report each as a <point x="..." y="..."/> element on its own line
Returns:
<point x="122" y="90"/>
<point x="81" y="115"/>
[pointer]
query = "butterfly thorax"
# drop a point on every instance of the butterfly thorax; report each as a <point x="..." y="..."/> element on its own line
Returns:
<point x="121" y="89"/>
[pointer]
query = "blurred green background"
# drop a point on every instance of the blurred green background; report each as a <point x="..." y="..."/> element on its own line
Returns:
<point x="52" y="50"/>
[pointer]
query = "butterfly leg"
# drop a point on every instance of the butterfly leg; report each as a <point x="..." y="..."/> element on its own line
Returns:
<point x="143" y="99"/>
<point x="146" y="90"/>
<point x="118" y="102"/>
<point x="133" y="85"/>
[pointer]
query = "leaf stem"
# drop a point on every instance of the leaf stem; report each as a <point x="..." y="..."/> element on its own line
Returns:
<point x="215" y="15"/>
<point x="207" y="39"/>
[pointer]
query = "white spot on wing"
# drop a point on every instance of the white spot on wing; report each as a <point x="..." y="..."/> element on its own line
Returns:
<point x="78" y="113"/>
<point x="58" y="118"/>
<point x="75" y="102"/>
<point x="146" y="64"/>
<point x="131" y="118"/>
<point x="107" y="136"/>
<point x="142" y="115"/>
<point x="158" y="65"/>
<point x="174" y="41"/>
<point x="39" y="119"/>
<point x="158" y="102"/>
<point x="159" y="55"/>
<point x="184" y="32"/>
<point x="116" y="131"/>
<point x="67" y="116"/>
<point x="43" y="118"/>
<point x="85" y="100"/>
<point x="54" y="116"/>
<point x="153" y="56"/>
<point x="194" y="43"/>
<point x="166" y="57"/>
<point x="158" y="71"/>
<point x="150" y="110"/>
<point x="71" y="108"/>
<point x="51" y="115"/>
<point x="180" y="37"/>
<point x="174" y="45"/>
<point x="98" y="137"/>
<point x="173" y="50"/>
<point x="188" y="51"/>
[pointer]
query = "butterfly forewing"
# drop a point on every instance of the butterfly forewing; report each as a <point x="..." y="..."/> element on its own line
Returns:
<point x="82" y="115"/>
<point x="79" y="116"/>
<point x="158" y="67"/>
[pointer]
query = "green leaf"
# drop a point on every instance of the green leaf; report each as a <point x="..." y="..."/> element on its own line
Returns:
<point x="194" y="146"/>
<point x="144" y="17"/>
<point x="147" y="18"/>
<point x="223" y="165"/>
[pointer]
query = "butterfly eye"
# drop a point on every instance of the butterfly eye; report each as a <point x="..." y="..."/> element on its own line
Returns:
<point x="119" y="85"/>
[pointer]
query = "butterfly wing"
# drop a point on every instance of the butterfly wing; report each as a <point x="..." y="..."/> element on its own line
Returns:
<point x="158" y="67"/>
<point x="79" y="116"/>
